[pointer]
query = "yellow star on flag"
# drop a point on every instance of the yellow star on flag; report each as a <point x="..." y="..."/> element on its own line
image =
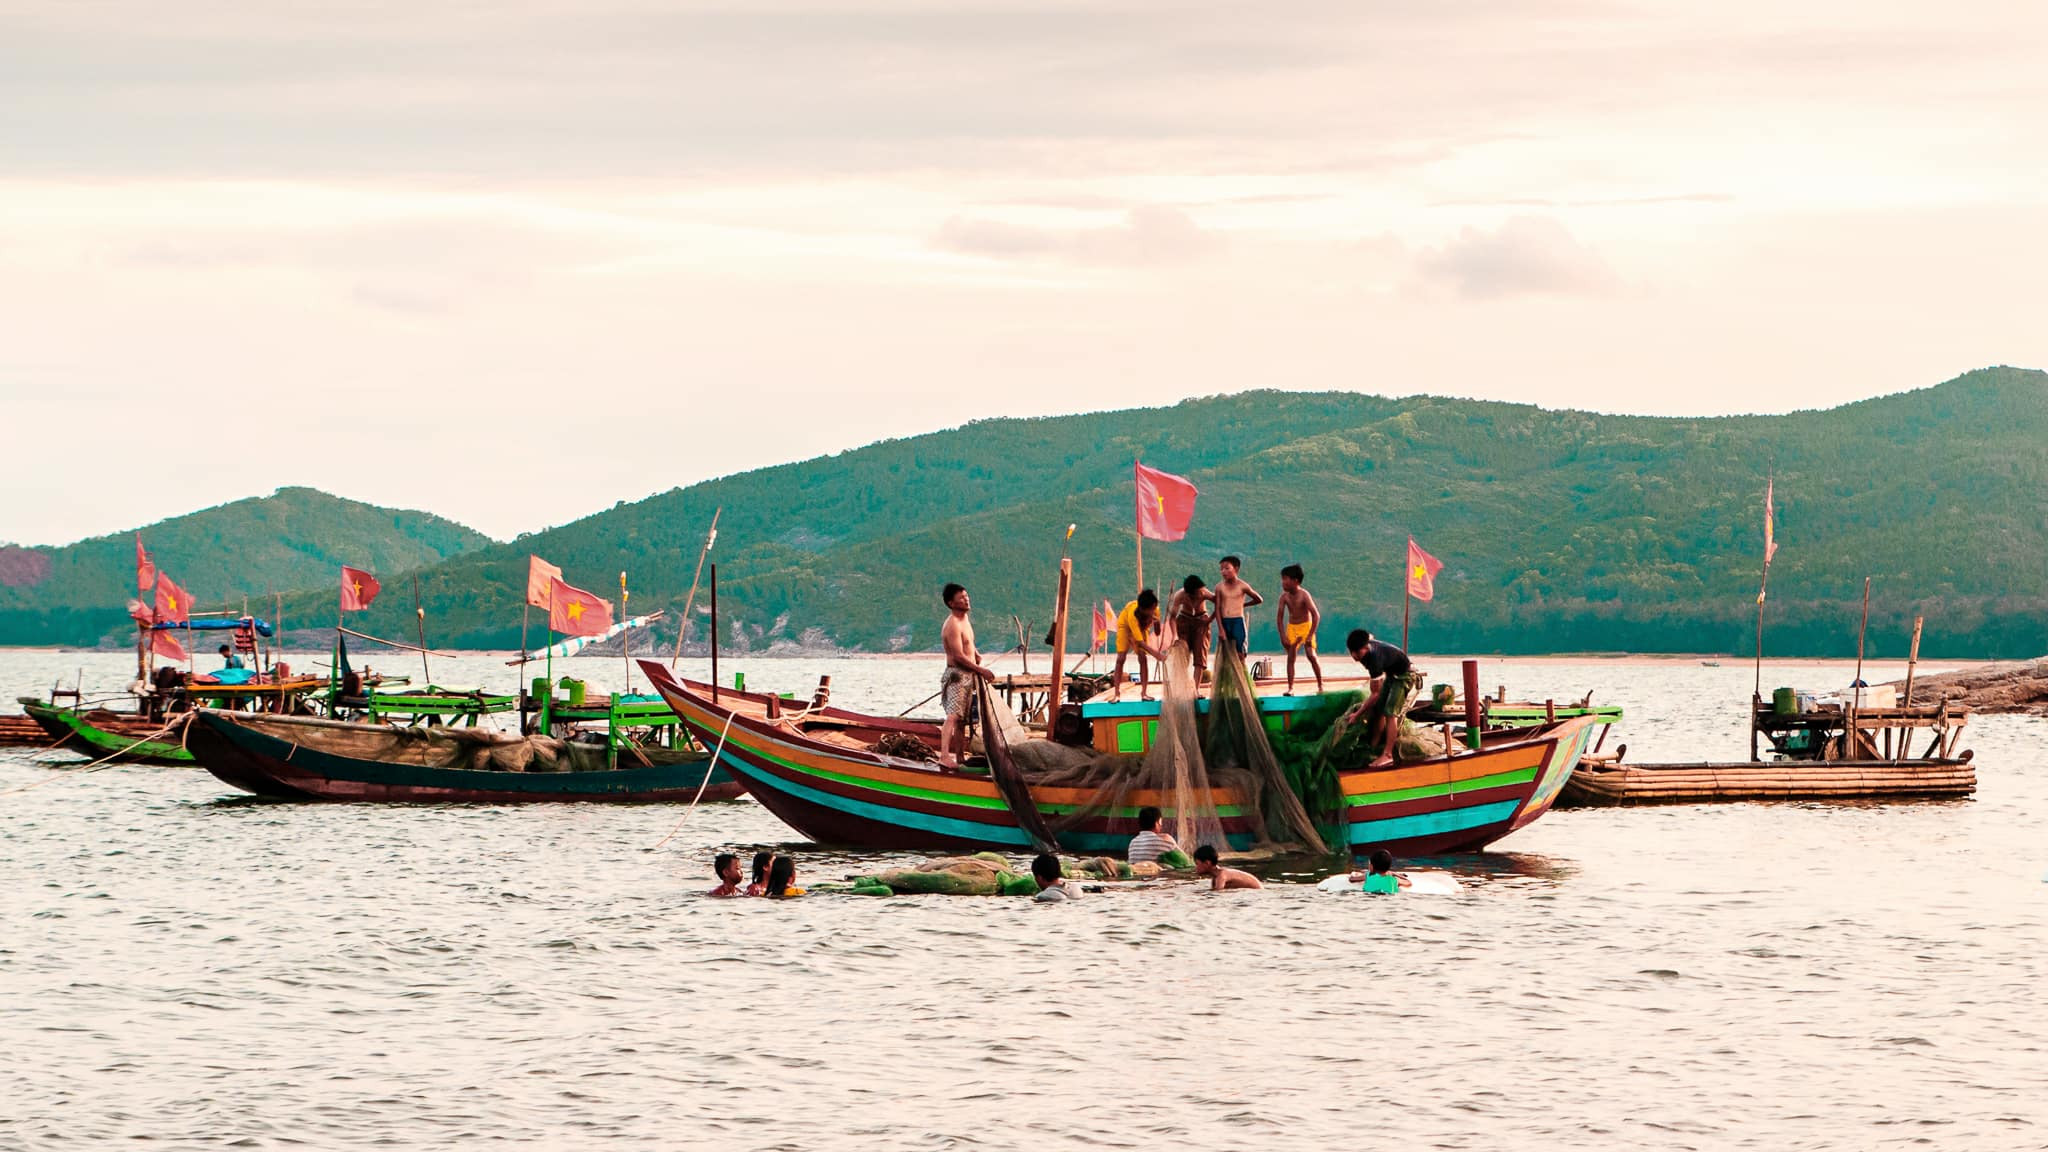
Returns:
<point x="574" y="610"/>
<point x="173" y="599"/>
<point x="1421" y="573"/>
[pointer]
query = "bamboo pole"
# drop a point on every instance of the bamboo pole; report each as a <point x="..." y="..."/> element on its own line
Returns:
<point x="1856" y="688"/>
<point x="683" y="629"/>
<point x="626" y="637"/>
<point x="420" y="614"/>
<point x="714" y="633"/>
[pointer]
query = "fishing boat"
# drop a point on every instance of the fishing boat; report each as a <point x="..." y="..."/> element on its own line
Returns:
<point x="824" y="772"/>
<point x="306" y="758"/>
<point x="101" y="733"/>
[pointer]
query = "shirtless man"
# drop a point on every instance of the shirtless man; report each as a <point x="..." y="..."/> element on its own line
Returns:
<point x="1298" y="620"/>
<point x="964" y="670"/>
<point x="1222" y="879"/>
<point x="1233" y="596"/>
<point x="1188" y="612"/>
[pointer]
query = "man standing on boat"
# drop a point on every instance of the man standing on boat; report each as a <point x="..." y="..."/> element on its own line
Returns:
<point x="1387" y="667"/>
<point x="1232" y="597"/>
<point x="963" y="674"/>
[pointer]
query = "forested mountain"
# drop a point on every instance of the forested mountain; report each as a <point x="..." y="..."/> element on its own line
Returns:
<point x="289" y="541"/>
<point x="1559" y="530"/>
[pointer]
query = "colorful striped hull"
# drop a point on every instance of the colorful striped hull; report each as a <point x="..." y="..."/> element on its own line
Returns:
<point x="851" y="796"/>
<point x="266" y="765"/>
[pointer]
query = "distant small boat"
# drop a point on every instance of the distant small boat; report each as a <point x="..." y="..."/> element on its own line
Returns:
<point x="99" y="733"/>
<point x="1710" y="663"/>
<point x="304" y="758"/>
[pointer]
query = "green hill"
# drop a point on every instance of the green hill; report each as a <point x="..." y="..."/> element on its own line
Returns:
<point x="296" y="539"/>
<point x="1560" y="530"/>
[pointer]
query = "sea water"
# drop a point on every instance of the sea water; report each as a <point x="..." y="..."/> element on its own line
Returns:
<point x="182" y="966"/>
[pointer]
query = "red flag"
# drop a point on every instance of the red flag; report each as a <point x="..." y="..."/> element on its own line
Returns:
<point x="358" y="589"/>
<point x="1770" y="514"/>
<point x="167" y="646"/>
<point x="1422" y="570"/>
<point x="1165" y="504"/>
<point x="145" y="569"/>
<point x="538" y="573"/>
<point x="173" y="605"/>
<point x="1102" y="620"/>
<point x="575" y="611"/>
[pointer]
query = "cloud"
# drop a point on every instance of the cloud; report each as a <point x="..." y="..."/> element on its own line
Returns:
<point x="1148" y="235"/>
<point x="1525" y="256"/>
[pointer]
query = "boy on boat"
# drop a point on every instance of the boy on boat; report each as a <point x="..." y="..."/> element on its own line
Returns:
<point x="228" y="659"/>
<point x="1045" y="869"/>
<point x="726" y="866"/>
<point x="1233" y="596"/>
<point x="1298" y="620"/>
<point x="1134" y="627"/>
<point x="1188" y="610"/>
<point x="1381" y="879"/>
<point x="963" y="674"/>
<point x="1222" y="879"/>
<point x="1387" y="667"/>
<point x="1150" y="843"/>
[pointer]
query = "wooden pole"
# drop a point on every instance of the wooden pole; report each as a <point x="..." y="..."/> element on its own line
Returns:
<point x="1856" y="688"/>
<point x="277" y="649"/>
<point x="1473" y="723"/>
<point x="420" y="614"/>
<point x="626" y="647"/>
<point x="683" y="629"/>
<point x="1407" y="602"/>
<point x="1913" y="658"/>
<point x="1056" y="692"/>
<point x="714" y="633"/>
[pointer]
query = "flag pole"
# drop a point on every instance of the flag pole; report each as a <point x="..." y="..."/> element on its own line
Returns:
<point x="1407" y="592"/>
<point x="626" y="648"/>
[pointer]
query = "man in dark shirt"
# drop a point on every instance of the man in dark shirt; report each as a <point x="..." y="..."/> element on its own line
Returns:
<point x="1387" y="667"/>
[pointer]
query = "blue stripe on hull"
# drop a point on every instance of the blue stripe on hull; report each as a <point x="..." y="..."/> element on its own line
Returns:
<point x="995" y="835"/>
<point x="1431" y="823"/>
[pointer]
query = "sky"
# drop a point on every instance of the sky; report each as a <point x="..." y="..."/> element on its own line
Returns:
<point x="512" y="264"/>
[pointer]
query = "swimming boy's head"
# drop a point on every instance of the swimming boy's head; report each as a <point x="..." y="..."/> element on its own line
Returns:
<point x="1045" y="868"/>
<point x="1205" y="860"/>
<point x="1357" y="643"/>
<point x="1229" y="566"/>
<point x="1382" y="861"/>
<point x="1290" y="577"/>
<point x="1192" y="585"/>
<point x="954" y="596"/>
<point x="726" y="867"/>
<point x="1148" y="819"/>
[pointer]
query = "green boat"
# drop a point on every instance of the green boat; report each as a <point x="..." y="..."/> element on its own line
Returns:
<point x="100" y="734"/>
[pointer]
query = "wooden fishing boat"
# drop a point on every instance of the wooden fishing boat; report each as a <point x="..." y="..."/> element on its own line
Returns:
<point x="821" y="771"/>
<point x="99" y="733"/>
<point x="1612" y="784"/>
<point x="22" y="730"/>
<point x="304" y="758"/>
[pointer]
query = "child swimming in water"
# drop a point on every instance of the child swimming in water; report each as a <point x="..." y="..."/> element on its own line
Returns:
<point x="1222" y="879"/>
<point x="1381" y="880"/>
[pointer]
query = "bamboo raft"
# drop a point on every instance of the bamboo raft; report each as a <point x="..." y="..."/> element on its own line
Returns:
<point x="1608" y="783"/>
<point x="22" y="731"/>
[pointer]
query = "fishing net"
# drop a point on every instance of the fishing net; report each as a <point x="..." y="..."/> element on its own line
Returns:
<point x="1237" y="740"/>
<point x="1320" y="743"/>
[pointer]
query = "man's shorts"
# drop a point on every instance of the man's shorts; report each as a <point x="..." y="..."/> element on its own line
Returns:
<point x="1233" y="631"/>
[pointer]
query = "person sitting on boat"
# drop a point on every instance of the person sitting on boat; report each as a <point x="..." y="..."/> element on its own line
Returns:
<point x="1297" y="621"/>
<point x="1387" y="667"/>
<point x="1380" y="879"/>
<point x="1045" y="870"/>
<point x="782" y="879"/>
<point x="228" y="658"/>
<point x="726" y="866"/>
<point x="1150" y="843"/>
<point x="960" y="682"/>
<point x="1222" y="879"/>
<point x="759" y="886"/>
<point x="1188" y="610"/>
<point x="1135" y="626"/>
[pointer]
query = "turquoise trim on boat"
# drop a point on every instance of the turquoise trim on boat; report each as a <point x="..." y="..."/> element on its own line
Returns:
<point x="1431" y="823"/>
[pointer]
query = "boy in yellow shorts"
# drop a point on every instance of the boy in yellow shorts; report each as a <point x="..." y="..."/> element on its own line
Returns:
<point x="1298" y="620"/>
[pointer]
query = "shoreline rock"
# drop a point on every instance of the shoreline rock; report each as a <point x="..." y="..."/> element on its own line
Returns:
<point x="2019" y="686"/>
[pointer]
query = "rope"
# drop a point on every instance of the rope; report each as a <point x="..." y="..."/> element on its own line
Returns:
<point x="701" y="784"/>
<point x="103" y="762"/>
<point x="716" y="754"/>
